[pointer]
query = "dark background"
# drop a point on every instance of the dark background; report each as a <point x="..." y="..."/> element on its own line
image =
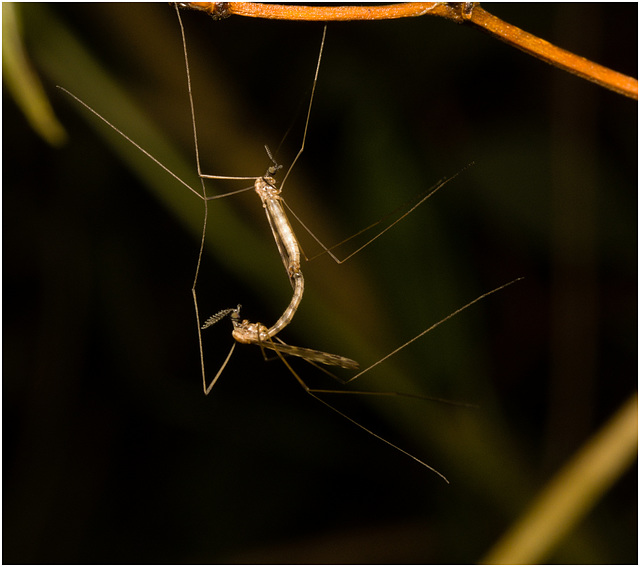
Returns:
<point x="112" y="453"/>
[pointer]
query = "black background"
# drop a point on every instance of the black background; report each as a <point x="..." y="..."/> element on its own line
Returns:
<point x="111" y="451"/>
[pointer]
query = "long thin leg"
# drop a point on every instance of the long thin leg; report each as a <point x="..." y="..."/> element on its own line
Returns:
<point x="313" y="393"/>
<point x="431" y="328"/>
<point x="422" y="197"/>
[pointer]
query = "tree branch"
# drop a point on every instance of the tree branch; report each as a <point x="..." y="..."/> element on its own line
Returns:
<point x="469" y="13"/>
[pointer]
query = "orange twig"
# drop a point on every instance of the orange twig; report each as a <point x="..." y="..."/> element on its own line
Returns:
<point x="314" y="13"/>
<point x="612" y="80"/>
<point x="459" y="12"/>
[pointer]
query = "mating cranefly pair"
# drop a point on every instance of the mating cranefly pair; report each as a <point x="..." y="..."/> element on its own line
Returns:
<point x="247" y="332"/>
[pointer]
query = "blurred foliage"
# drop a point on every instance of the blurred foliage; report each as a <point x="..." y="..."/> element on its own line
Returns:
<point x="111" y="452"/>
<point x="23" y="83"/>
